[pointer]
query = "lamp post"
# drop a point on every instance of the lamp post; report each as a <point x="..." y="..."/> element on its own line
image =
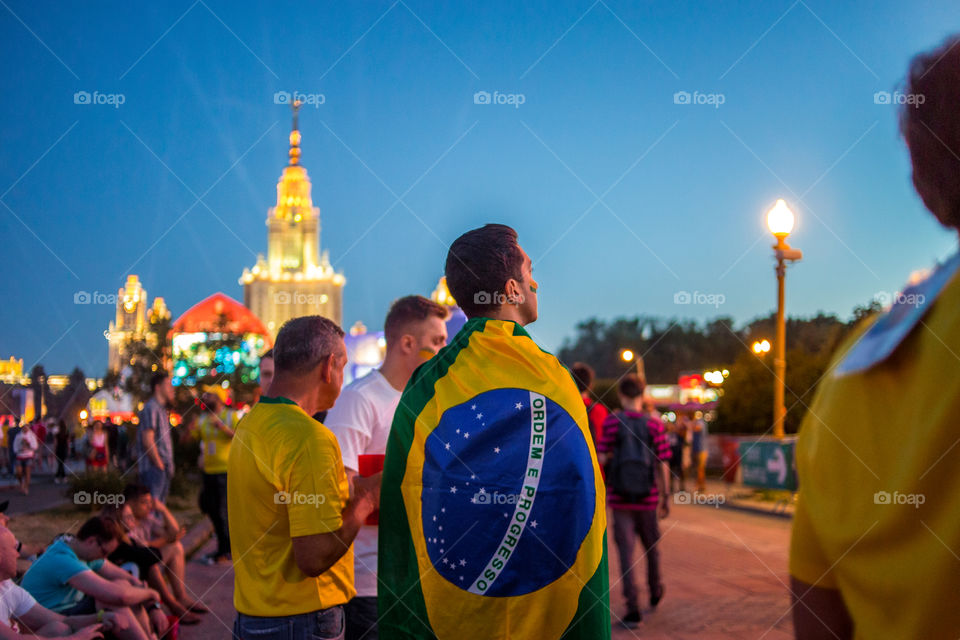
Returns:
<point x="780" y="222"/>
<point x="761" y="347"/>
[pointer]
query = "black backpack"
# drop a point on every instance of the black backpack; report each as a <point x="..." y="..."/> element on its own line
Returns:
<point x="631" y="470"/>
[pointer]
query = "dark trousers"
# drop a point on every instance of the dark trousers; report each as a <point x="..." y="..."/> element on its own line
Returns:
<point x="214" y="504"/>
<point x="361" y="613"/>
<point x="627" y="526"/>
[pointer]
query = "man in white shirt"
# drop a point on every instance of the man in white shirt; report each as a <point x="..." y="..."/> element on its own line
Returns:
<point x="415" y="331"/>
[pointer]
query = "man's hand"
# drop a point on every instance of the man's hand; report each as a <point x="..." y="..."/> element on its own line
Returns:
<point x="158" y="620"/>
<point x="366" y="494"/>
<point x="663" y="509"/>
<point x="87" y="633"/>
<point x="112" y="623"/>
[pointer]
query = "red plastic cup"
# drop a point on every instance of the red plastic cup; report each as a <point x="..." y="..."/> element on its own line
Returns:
<point x="370" y="464"/>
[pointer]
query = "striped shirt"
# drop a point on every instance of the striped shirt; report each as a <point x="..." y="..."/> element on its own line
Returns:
<point x="608" y="443"/>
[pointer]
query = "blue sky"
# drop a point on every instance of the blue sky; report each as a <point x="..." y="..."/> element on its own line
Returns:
<point x="621" y="196"/>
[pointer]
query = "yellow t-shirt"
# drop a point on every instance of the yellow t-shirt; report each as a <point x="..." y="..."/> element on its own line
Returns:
<point x="214" y="442"/>
<point x="285" y="479"/>
<point x="878" y="516"/>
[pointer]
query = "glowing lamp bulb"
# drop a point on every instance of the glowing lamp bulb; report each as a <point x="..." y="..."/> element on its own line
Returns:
<point x="780" y="219"/>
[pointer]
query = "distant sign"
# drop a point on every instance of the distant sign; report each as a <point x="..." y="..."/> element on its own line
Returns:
<point x="769" y="464"/>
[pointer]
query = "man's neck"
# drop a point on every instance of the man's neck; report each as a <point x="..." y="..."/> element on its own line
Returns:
<point x="303" y="397"/>
<point x="396" y="371"/>
<point x="159" y="400"/>
<point x="507" y="313"/>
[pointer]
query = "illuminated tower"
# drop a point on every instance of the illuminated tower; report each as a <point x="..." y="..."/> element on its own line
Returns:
<point x="295" y="279"/>
<point x="131" y="322"/>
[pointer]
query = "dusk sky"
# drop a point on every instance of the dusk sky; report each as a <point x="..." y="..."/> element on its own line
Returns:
<point x="622" y="197"/>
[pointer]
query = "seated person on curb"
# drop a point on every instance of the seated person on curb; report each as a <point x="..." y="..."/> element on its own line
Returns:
<point x="156" y="527"/>
<point x="73" y="577"/>
<point x="143" y="562"/>
<point x="19" y="612"/>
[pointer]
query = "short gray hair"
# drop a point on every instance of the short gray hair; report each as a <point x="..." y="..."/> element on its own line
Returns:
<point x="304" y="342"/>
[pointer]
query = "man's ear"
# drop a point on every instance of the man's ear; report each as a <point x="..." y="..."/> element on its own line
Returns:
<point x="512" y="291"/>
<point x="326" y="369"/>
<point x="407" y="343"/>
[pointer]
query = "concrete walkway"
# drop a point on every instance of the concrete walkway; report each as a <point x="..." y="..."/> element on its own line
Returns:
<point x="725" y="573"/>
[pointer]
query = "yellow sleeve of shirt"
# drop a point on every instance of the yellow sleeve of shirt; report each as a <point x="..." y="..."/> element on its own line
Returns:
<point x="808" y="563"/>
<point x="317" y="487"/>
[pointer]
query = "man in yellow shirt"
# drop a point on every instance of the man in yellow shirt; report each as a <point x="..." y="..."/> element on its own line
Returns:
<point x="876" y="532"/>
<point x="292" y="516"/>
<point x="215" y="428"/>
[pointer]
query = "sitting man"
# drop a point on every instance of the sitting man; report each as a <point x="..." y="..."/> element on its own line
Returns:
<point x="20" y="612"/>
<point x="143" y="562"/>
<point x="156" y="527"/>
<point x="73" y="578"/>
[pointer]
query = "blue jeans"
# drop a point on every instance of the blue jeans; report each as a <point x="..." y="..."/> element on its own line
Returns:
<point x="158" y="482"/>
<point x="326" y="624"/>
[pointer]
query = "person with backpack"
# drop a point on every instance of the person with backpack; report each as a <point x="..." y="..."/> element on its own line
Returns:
<point x="635" y="451"/>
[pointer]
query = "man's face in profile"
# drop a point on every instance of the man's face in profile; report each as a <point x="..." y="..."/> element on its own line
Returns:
<point x="528" y="291"/>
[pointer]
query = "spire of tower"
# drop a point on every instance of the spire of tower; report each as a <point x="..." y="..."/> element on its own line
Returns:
<point x="295" y="134"/>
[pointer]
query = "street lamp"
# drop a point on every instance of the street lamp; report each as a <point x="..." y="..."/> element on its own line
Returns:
<point x="761" y="346"/>
<point x="626" y="355"/>
<point x="780" y="221"/>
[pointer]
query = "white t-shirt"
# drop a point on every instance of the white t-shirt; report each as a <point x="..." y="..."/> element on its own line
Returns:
<point x="14" y="601"/>
<point x="25" y="445"/>
<point x="361" y="420"/>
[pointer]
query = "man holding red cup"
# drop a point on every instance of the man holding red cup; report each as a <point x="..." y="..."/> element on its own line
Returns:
<point x="415" y="331"/>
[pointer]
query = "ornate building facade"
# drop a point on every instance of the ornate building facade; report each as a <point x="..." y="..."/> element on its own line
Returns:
<point x="295" y="279"/>
<point x="136" y="322"/>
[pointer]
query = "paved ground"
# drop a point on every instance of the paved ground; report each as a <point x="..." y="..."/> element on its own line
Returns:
<point x="44" y="494"/>
<point x="725" y="572"/>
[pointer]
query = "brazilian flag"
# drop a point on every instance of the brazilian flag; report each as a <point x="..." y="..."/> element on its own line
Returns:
<point x="492" y="510"/>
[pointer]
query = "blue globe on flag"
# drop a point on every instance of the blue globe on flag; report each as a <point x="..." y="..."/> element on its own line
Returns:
<point x="505" y="508"/>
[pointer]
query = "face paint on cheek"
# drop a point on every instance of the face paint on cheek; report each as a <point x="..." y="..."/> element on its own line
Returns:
<point x="426" y="354"/>
<point x="533" y="289"/>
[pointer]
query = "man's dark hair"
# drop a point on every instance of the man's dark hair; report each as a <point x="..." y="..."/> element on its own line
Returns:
<point x="409" y="310"/>
<point x="631" y="386"/>
<point x="102" y="529"/>
<point x="930" y="124"/>
<point x="267" y="354"/>
<point x="583" y="375"/>
<point x="134" y="491"/>
<point x="304" y="342"/>
<point x="157" y="380"/>
<point x="479" y="264"/>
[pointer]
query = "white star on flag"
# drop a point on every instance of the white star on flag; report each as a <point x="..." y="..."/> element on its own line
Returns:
<point x="466" y="435"/>
<point x="533" y="523"/>
<point x="519" y="406"/>
<point x="479" y="415"/>
<point x="447" y="446"/>
<point x="482" y="490"/>
<point x="463" y="563"/>
<point x="453" y="489"/>
<point x="496" y="449"/>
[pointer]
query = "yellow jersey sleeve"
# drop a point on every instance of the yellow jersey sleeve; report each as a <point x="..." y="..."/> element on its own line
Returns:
<point x="808" y="563"/>
<point x="317" y="487"/>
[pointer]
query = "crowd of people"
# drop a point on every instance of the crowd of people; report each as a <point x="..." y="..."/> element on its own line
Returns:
<point x="338" y="507"/>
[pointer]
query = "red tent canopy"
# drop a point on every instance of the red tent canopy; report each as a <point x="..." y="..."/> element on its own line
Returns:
<point x="220" y="313"/>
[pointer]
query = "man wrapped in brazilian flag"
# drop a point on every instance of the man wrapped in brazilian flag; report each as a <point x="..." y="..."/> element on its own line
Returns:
<point x="492" y="511"/>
